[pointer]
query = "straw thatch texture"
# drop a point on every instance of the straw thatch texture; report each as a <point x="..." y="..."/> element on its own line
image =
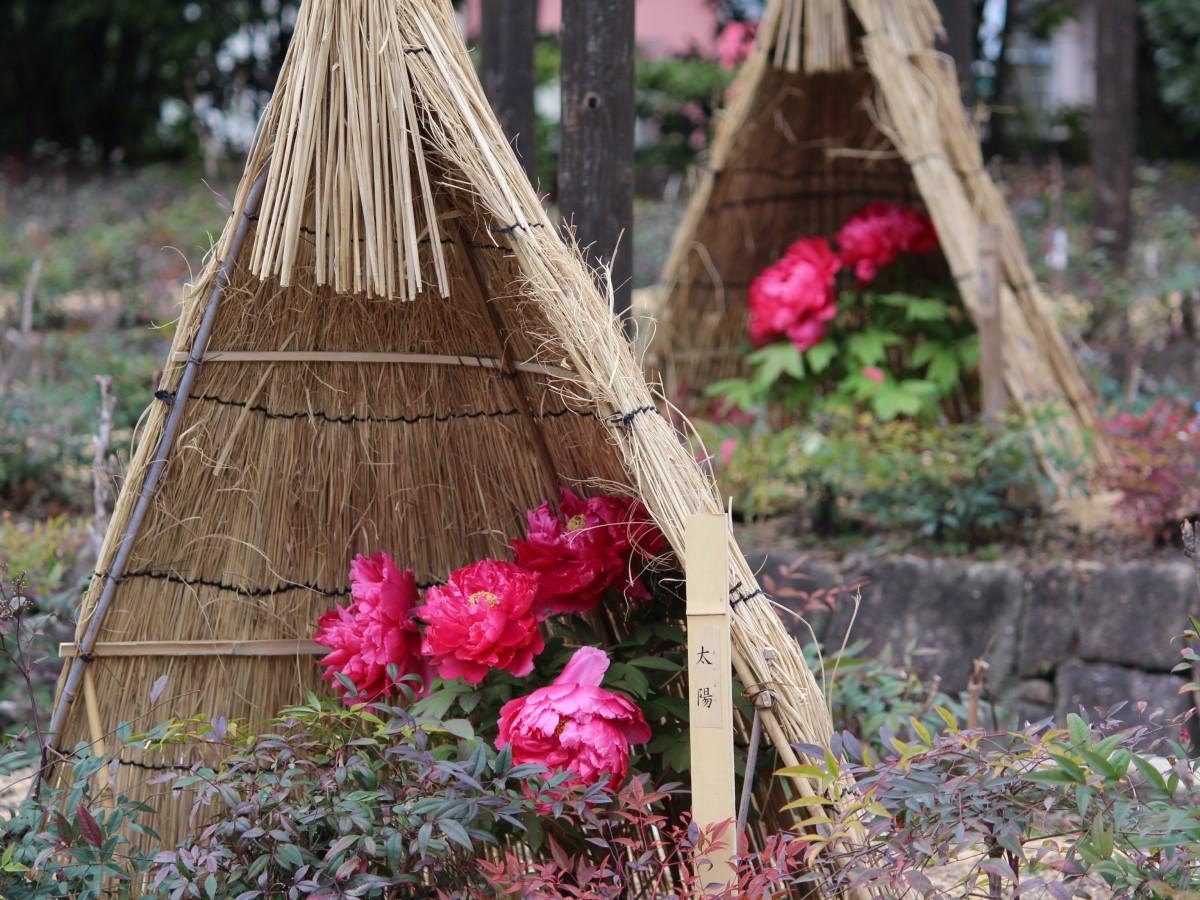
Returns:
<point x="805" y="143"/>
<point x="319" y="417"/>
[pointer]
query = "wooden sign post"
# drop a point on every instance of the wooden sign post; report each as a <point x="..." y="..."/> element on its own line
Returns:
<point x="710" y="688"/>
<point x="991" y="326"/>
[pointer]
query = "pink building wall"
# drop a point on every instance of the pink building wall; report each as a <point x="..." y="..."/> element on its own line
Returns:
<point x="664" y="27"/>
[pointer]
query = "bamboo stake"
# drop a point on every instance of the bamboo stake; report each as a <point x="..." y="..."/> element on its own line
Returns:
<point x="96" y="729"/>
<point x="197" y="648"/>
<point x="333" y="356"/>
<point x="991" y="326"/>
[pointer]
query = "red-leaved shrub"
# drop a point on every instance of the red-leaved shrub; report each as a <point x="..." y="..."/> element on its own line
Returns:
<point x="1158" y="466"/>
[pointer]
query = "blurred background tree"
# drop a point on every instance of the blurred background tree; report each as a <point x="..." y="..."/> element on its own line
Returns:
<point x="1173" y="27"/>
<point x="133" y="79"/>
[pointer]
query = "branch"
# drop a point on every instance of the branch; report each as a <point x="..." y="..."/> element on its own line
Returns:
<point x="28" y="295"/>
<point x="100" y="475"/>
<point x="975" y="692"/>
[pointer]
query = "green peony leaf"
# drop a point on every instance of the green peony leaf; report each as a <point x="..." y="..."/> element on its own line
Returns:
<point x="820" y="356"/>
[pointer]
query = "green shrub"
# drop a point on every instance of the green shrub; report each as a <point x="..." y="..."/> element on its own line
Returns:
<point x="1040" y="809"/>
<point x="48" y="552"/>
<point x="950" y="482"/>
<point x="66" y="843"/>
<point x="356" y="802"/>
<point x="50" y="413"/>
<point x="874" y="700"/>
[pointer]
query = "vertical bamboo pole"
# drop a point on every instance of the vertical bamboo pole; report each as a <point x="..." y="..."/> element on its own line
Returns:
<point x="710" y="689"/>
<point x="991" y="325"/>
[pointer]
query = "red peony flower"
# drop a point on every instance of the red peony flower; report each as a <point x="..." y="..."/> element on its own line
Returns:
<point x="875" y="236"/>
<point x="374" y="632"/>
<point x="574" y="724"/>
<point x="794" y="297"/>
<point x="482" y="619"/>
<point x="590" y="545"/>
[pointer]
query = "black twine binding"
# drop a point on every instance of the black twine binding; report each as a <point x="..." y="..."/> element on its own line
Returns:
<point x="626" y="419"/>
<point x="231" y="588"/>
<point x="168" y="396"/>
<point x="740" y="597"/>
<point x="244" y="591"/>
<point x="155" y="767"/>
<point x="179" y="767"/>
<point x="515" y="225"/>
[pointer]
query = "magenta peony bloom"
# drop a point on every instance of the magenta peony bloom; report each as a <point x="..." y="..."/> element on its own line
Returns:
<point x="875" y="236"/>
<point x="374" y="632"/>
<point x="574" y="724"/>
<point x="482" y="619"/>
<point x="794" y="297"/>
<point x="590" y="545"/>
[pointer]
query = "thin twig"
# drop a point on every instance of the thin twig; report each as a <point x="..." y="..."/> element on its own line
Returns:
<point x="100" y="473"/>
<point x="29" y="294"/>
<point x="930" y="697"/>
<point x="1191" y="549"/>
<point x="974" y="692"/>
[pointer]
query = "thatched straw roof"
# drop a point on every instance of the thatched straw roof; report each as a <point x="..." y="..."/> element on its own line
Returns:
<point x="391" y="347"/>
<point x="845" y="102"/>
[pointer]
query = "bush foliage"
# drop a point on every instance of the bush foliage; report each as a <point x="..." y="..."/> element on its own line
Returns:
<point x="963" y="483"/>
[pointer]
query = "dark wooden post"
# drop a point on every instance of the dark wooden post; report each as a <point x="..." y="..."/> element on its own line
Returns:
<point x="595" y="179"/>
<point x="506" y="39"/>
<point x="1114" y="126"/>
<point x="958" y="19"/>
<point x="991" y="326"/>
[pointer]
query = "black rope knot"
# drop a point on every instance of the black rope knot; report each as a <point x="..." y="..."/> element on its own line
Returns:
<point x="739" y="597"/>
<point x="627" y="418"/>
<point x="164" y="396"/>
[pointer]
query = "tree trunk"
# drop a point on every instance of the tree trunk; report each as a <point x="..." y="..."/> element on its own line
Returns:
<point x="506" y="40"/>
<point x="958" y="19"/>
<point x="1113" y="127"/>
<point x="596" y="168"/>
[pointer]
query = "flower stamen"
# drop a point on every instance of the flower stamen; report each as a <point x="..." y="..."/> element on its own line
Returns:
<point x="486" y="597"/>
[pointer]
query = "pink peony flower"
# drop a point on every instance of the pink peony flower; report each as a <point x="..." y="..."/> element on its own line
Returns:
<point x="374" y="632"/>
<point x="482" y="619"/>
<point x="588" y="546"/>
<point x="574" y="724"/>
<point x="875" y="236"/>
<point x="735" y="43"/>
<point x="794" y="297"/>
<point x="874" y="373"/>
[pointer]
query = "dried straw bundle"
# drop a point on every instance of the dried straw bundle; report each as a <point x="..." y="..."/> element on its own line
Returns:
<point x="306" y="415"/>
<point x="799" y="152"/>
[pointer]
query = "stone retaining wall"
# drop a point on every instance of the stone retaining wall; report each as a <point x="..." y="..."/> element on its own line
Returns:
<point x="1056" y="637"/>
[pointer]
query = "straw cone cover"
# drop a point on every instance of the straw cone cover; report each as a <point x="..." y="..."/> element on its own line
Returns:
<point x="845" y="103"/>
<point x="390" y="347"/>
